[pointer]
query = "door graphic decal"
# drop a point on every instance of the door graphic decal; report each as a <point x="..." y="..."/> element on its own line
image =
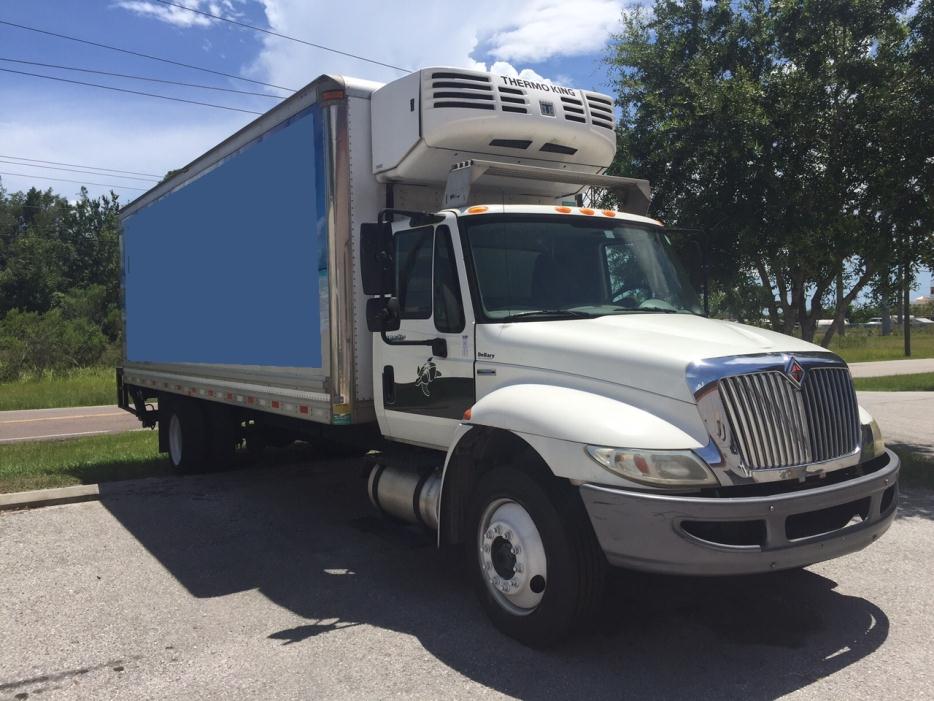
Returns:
<point x="427" y="374"/>
<point x="433" y="393"/>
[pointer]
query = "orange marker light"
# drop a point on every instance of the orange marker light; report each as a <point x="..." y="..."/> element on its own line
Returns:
<point x="587" y="211"/>
<point x="467" y="415"/>
<point x="609" y="213"/>
<point x="477" y="210"/>
<point x="563" y="210"/>
<point x="332" y="95"/>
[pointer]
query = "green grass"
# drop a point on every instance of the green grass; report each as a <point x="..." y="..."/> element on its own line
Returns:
<point x="917" y="468"/>
<point x="85" y="387"/>
<point x="43" y="464"/>
<point x="921" y="382"/>
<point x="859" y="347"/>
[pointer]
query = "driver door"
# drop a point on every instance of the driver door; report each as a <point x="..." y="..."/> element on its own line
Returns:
<point x="421" y="395"/>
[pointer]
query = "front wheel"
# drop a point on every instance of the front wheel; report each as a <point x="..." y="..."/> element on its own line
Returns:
<point x="537" y="566"/>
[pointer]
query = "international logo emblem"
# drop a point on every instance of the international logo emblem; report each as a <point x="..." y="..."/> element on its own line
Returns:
<point x="795" y="372"/>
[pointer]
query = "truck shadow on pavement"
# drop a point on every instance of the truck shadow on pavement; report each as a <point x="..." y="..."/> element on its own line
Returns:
<point x="307" y="538"/>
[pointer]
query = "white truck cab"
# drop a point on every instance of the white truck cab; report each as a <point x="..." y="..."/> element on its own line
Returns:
<point x="535" y="378"/>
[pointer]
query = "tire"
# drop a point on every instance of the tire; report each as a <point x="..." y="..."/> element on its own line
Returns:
<point x="256" y="444"/>
<point x="222" y="435"/>
<point x="535" y="561"/>
<point x="186" y="436"/>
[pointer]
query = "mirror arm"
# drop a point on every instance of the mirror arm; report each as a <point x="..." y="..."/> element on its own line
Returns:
<point x="439" y="346"/>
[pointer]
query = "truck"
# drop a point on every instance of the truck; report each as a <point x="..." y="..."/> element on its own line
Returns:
<point x="411" y="270"/>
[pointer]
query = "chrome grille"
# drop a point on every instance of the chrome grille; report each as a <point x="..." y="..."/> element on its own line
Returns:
<point x="776" y="425"/>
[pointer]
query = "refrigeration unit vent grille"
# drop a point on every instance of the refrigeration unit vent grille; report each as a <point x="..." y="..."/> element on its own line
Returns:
<point x="462" y="90"/>
<point x="601" y="110"/>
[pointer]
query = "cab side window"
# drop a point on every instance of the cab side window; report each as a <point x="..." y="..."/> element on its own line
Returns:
<point x="449" y="312"/>
<point x="413" y="272"/>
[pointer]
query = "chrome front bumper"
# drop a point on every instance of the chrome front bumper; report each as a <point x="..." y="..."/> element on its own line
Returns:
<point x="718" y="536"/>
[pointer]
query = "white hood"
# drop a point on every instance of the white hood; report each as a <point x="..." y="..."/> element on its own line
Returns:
<point x="645" y="351"/>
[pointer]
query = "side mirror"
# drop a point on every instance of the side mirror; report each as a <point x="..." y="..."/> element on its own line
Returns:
<point x="382" y="314"/>
<point x="377" y="260"/>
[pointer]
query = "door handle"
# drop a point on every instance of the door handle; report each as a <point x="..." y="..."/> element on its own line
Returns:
<point x="389" y="385"/>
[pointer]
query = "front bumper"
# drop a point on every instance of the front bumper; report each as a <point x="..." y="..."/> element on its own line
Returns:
<point x="718" y="536"/>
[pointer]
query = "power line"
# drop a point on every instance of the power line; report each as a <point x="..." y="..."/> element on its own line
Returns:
<point x="142" y="55"/>
<point x="79" y="182"/>
<point x="132" y="92"/>
<point x="284" y="36"/>
<point x="74" y="170"/>
<point x="140" y="77"/>
<point x="79" y="165"/>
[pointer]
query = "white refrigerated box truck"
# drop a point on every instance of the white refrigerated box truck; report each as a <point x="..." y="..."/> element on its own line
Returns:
<point x="407" y="268"/>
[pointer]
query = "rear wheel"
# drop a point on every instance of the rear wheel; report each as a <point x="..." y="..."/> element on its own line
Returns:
<point x="535" y="561"/>
<point x="222" y="433"/>
<point x="187" y="440"/>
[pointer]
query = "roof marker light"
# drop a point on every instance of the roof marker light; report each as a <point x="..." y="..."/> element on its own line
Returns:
<point x="587" y="211"/>
<point x="609" y="213"/>
<point x="480" y="209"/>
<point x="563" y="210"/>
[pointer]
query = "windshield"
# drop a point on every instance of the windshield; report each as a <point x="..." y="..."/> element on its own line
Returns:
<point x="531" y="267"/>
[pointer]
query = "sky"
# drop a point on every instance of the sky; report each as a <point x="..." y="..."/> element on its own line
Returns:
<point x="562" y="41"/>
<point x="72" y="124"/>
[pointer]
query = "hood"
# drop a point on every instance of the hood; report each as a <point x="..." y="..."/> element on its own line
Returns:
<point x="650" y="352"/>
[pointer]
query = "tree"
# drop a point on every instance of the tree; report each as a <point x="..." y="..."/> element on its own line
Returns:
<point x="49" y="246"/>
<point x="59" y="281"/>
<point x="775" y="127"/>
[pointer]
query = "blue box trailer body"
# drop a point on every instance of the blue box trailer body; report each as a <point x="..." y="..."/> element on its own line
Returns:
<point x="236" y="255"/>
<point x="238" y="271"/>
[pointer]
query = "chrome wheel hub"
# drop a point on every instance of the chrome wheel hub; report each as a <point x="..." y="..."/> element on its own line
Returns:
<point x="512" y="556"/>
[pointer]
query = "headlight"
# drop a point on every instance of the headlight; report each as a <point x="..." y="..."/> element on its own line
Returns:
<point x="873" y="446"/>
<point x="673" y="468"/>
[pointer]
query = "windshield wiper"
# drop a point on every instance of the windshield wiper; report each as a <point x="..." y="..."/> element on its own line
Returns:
<point x="546" y="313"/>
<point x="649" y="310"/>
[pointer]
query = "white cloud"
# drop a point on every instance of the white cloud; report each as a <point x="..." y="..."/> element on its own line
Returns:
<point x="430" y="33"/>
<point x="425" y="33"/>
<point x="417" y="34"/>
<point x="545" y="28"/>
<point x="171" y="15"/>
<point x="180" y="17"/>
<point x="507" y="69"/>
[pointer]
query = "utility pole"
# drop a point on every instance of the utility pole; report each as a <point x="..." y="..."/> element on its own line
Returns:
<point x="841" y="329"/>
<point x="906" y="313"/>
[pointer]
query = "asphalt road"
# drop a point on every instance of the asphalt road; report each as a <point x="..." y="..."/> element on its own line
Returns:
<point x="72" y="422"/>
<point x="881" y="368"/>
<point x="905" y="418"/>
<point x="281" y="583"/>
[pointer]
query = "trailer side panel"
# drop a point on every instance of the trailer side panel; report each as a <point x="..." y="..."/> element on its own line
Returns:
<point x="238" y="256"/>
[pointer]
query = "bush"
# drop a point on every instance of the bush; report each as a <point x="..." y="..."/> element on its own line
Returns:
<point x="32" y="343"/>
